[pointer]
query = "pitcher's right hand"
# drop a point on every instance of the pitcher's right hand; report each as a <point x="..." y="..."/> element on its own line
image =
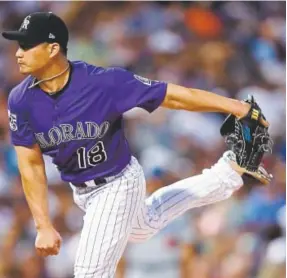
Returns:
<point x="48" y="242"/>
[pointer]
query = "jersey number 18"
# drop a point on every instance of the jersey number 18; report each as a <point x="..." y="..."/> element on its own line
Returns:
<point x="93" y="156"/>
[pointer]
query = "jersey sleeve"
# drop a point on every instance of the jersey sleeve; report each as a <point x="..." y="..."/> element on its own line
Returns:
<point x="20" y="131"/>
<point x="131" y="90"/>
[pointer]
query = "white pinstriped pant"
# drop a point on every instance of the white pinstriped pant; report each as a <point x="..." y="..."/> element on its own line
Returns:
<point x="118" y="212"/>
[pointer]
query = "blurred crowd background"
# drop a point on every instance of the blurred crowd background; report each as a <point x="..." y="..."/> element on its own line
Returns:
<point x="231" y="48"/>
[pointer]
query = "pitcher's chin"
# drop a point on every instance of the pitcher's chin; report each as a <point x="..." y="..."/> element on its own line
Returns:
<point x="23" y="69"/>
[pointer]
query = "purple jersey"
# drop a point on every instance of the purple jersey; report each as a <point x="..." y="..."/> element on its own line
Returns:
<point x="81" y="127"/>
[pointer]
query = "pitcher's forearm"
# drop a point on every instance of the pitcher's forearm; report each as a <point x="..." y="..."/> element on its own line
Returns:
<point x="204" y="101"/>
<point x="179" y="97"/>
<point x="35" y="188"/>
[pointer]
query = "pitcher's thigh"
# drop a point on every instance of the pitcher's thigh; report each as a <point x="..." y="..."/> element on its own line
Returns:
<point x="107" y="225"/>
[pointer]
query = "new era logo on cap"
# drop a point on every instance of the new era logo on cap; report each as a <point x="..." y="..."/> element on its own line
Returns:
<point x="51" y="36"/>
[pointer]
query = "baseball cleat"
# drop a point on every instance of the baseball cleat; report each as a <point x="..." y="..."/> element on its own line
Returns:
<point x="260" y="174"/>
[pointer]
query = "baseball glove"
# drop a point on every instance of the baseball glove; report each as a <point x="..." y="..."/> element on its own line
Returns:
<point x="249" y="139"/>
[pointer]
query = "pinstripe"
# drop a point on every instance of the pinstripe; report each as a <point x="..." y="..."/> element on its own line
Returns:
<point x="107" y="222"/>
<point x="141" y="205"/>
<point x="113" y="227"/>
<point x="87" y="240"/>
<point x="170" y="198"/>
<point x="95" y="238"/>
<point x="174" y="204"/>
<point x="131" y="171"/>
<point x="148" y="227"/>
<point x="139" y="193"/>
<point x="162" y="212"/>
<point x="141" y="217"/>
<point x="120" y="232"/>
<point x="117" y="253"/>
<point x="119" y="186"/>
<point x="138" y="200"/>
<point x="120" y="249"/>
<point x="161" y="209"/>
<point x="149" y="223"/>
<point x="217" y="191"/>
<point x="146" y="235"/>
<point x="138" y="220"/>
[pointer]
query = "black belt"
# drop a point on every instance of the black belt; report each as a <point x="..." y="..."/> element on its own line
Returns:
<point x="97" y="181"/>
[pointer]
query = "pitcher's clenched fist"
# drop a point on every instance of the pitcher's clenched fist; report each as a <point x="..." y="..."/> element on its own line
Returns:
<point x="48" y="242"/>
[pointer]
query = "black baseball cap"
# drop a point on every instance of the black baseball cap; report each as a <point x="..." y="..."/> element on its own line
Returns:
<point x="40" y="27"/>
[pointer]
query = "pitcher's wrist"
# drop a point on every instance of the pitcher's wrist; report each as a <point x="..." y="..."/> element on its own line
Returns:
<point x="43" y="225"/>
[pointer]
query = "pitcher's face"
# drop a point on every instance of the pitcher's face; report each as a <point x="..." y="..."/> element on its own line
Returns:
<point x="32" y="59"/>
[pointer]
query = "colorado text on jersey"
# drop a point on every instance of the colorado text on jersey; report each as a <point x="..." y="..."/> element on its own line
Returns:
<point x="66" y="133"/>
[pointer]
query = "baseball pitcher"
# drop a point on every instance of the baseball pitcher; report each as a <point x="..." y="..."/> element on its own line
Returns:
<point x="73" y="112"/>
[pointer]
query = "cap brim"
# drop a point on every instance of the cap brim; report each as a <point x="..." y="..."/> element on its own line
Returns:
<point x="14" y="35"/>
